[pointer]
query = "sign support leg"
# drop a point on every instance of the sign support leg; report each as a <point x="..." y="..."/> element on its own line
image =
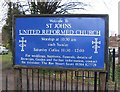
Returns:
<point x="17" y="79"/>
<point x="102" y="81"/>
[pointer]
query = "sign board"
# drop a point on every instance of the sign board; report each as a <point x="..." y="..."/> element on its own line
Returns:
<point x="60" y="41"/>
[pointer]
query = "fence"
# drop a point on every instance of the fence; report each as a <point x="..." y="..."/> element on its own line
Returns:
<point x="36" y="79"/>
<point x="60" y="80"/>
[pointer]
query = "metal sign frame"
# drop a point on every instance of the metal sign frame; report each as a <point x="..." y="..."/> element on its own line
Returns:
<point x="104" y="16"/>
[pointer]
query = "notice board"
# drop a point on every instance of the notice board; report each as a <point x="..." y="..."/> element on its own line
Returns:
<point x="61" y="41"/>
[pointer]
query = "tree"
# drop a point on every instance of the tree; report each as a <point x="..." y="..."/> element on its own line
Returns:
<point x="54" y="7"/>
<point x="48" y="7"/>
<point x="7" y="28"/>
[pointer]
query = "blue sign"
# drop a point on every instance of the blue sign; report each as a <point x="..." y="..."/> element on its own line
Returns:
<point x="60" y="41"/>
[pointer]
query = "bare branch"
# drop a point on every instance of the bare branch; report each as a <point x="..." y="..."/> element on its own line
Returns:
<point x="70" y="6"/>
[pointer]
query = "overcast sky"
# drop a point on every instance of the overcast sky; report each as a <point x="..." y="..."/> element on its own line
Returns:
<point x="97" y="7"/>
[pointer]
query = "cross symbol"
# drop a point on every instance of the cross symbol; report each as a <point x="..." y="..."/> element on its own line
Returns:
<point x="22" y="45"/>
<point x="96" y="42"/>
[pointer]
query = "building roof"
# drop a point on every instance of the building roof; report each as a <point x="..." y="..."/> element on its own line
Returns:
<point x="114" y="41"/>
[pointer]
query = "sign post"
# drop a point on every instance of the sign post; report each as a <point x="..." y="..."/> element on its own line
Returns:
<point x="61" y="41"/>
<point x="119" y="33"/>
<point x="102" y="85"/>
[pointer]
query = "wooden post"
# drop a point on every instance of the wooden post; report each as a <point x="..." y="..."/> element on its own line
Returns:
<point x="17" y="79"/>
<point x="102" y="82"/>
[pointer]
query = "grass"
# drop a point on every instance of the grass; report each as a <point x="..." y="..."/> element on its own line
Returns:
<point x="6" y="60"/>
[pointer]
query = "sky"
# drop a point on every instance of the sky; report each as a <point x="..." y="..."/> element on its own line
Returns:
<point x="109" y="7"/>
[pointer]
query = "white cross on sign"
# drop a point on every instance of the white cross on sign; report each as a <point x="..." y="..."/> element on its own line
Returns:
<point x="22" y="45"/>
<point x="96" y="42"/>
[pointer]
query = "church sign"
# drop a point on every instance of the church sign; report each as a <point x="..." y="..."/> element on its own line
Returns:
<point x="61" y="41"/>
